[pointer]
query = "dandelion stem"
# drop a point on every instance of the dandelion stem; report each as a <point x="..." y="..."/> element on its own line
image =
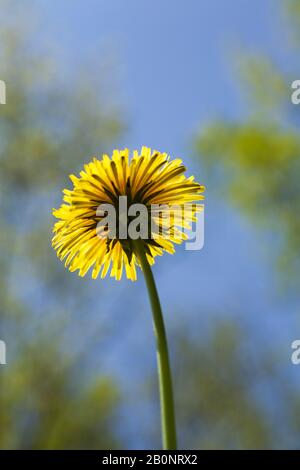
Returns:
<point x="163" y="364"/>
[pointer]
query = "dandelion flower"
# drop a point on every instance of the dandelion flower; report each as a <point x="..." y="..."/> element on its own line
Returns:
<point x="148" y="178"/>
<point x="84" y="238"/>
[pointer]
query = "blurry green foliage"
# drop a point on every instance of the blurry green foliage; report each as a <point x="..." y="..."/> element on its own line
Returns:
<point x="255" y="163"/>
<point x="42" y="406"/>
<point x="50" y="125"/>
<point x="230" y="397"/>
<point x="293" y="10"/>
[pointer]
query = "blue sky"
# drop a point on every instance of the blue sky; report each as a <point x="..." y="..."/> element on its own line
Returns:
<point x="173" y="72"/>
<point x="173" y="63"/>
<point x="174" y="59"/>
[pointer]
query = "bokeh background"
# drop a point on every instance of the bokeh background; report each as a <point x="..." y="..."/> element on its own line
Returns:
<point x="208" y="81"/>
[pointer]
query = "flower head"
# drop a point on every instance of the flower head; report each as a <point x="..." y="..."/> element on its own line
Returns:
<point x="83" y="237"/>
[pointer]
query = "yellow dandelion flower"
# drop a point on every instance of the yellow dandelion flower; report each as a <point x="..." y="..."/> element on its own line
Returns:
<point x="149" y="178"/>
<point x="87" y="236"/>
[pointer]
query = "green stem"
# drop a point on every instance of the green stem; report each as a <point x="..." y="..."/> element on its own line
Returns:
<point x="163" y="364"/>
